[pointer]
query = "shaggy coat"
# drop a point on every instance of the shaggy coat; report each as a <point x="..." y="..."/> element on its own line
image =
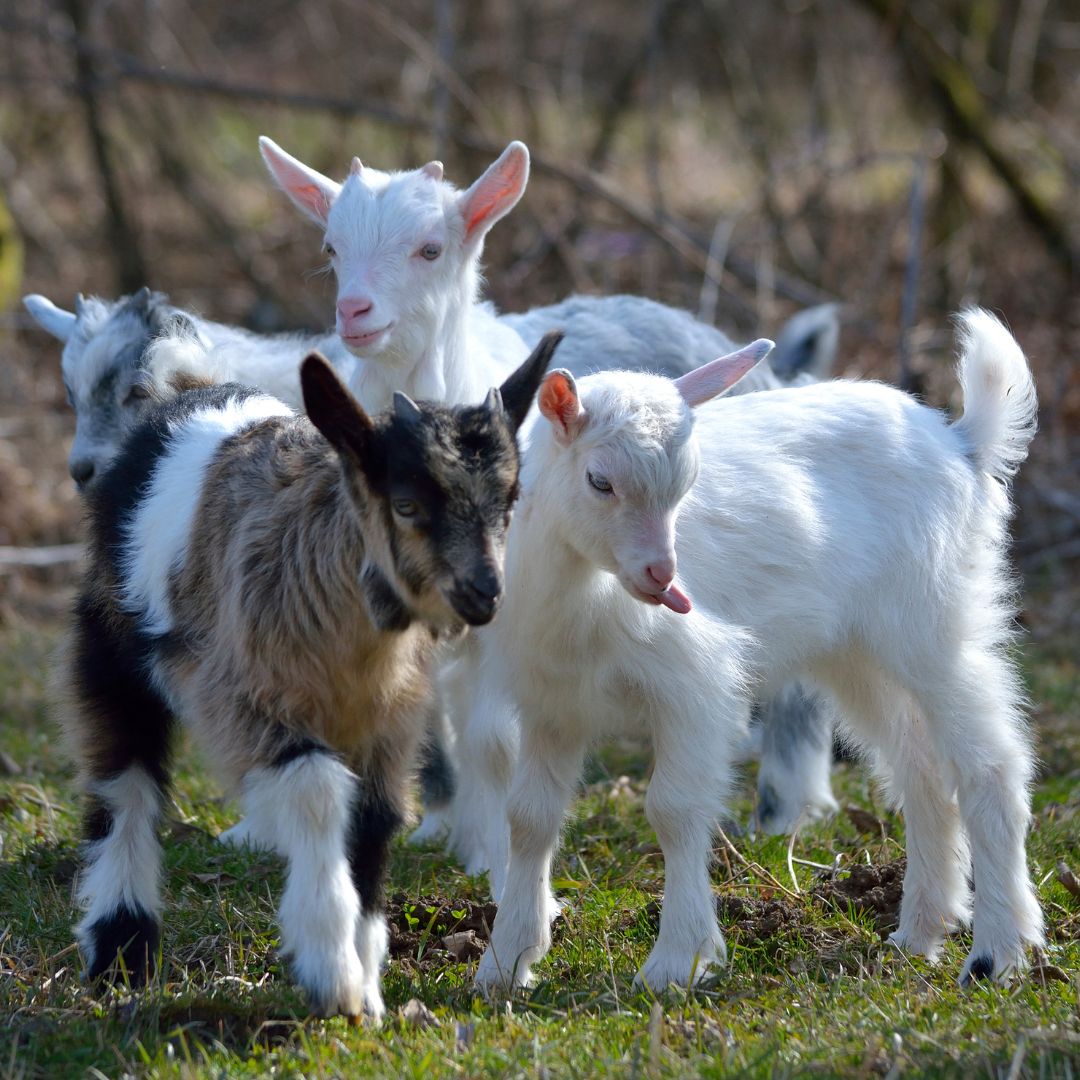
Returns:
<point x="277" y="585"/>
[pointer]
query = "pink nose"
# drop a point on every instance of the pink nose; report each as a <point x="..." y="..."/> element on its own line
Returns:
<point x="663" y="573"/>
<point x="353" y="307"/>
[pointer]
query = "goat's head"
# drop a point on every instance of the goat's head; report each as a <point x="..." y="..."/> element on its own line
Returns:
<point x="434" y="487"/>
<point x="107" y="379"/>
<point x="405" y="246"/>
<point x="621" y="460"/>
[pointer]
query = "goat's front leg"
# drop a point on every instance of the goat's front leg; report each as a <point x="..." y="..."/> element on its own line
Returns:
<point x="543" y="786"/>
<point x="377" y="814"/>
<point x="685" y="801"/>
<point x="305" y="804"/>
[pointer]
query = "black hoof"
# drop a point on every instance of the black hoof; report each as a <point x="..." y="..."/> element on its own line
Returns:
<point x="982" y="967"/>
<point x="132" y="935"/>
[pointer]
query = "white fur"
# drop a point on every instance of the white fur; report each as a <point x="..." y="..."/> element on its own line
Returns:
<point x="159" y="531"/>
<point x="899" y="604"/>
<point x="304" y="806"/>
<point x="123" y="869"/>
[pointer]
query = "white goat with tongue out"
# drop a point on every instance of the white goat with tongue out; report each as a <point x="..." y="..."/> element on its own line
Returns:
<point x="899" y="603"/>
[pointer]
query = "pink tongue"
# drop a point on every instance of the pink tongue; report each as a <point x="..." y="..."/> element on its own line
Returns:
<point x="673" y="597"/>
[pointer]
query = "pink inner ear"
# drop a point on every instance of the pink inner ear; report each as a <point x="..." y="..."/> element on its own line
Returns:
<point x="559" y="402"/>
<point x="495" y="191"/>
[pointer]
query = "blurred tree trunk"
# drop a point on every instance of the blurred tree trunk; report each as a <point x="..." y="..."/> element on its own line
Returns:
<point x="122" y="239"/>
<point x="968" y="118"/>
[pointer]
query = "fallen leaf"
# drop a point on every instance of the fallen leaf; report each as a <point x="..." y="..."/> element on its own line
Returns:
<point x="463" y="945"/>
<point x="416" y="1014"/>
<point x="863" y="820"/>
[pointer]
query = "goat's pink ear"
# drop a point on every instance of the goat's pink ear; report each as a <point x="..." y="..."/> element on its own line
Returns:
<point x="559" y="402"/>
<point x="704" y="383"/>
<point x="309" y="190"/>
<point x="496" y="192"/>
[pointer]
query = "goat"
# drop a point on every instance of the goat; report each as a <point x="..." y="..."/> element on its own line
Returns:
<point x="406" y="248"/>
<point x="113" y="375"/>
<point x="899" y="604"/>
<point x="277" y="584"/>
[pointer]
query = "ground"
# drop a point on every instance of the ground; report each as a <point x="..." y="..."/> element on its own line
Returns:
<point x="811" y="987"/>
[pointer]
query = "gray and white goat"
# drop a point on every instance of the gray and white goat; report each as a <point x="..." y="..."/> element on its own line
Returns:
<point x="276" y="584"/>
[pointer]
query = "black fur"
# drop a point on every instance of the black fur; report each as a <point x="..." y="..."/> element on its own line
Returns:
<point x="982" y="967"/>
<point x="133" y="934"/>
<point x="386" y="609"/>
<point x="438" y="782"/>
<point x="375" y="819"/>
<point x="97" y="820"/>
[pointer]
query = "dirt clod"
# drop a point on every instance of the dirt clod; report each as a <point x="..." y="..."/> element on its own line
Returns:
<point x="876" y="890"/>
<point x="422" y="925"/>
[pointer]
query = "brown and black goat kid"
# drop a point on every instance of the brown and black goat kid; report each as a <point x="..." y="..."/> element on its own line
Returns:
<point x="277" y="584"/>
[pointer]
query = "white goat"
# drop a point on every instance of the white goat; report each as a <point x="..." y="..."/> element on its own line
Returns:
<point x="898" y="603"/>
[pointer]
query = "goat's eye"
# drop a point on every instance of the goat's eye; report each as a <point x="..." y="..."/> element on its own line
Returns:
<point x="406" y="508"/>
<point x="329" y="249"/>
<point x="138" y="392"/>
<point x="430" y="252"/>
<point x="600" y="483"/>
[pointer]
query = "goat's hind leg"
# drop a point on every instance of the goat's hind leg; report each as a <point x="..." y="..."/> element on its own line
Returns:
<point x="973" y="705"/>
<point x="120" y="730"/>
<point x="883" y="716"/>
<point x="303" y="799"/>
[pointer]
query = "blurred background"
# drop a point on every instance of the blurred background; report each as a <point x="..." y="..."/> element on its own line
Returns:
<point x="740" y="160"/>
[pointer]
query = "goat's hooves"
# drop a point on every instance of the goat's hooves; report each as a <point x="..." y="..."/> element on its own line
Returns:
<point x="982" y="965"/>
<point x="926" y="945"/>
<point x="494" y="982"/>
<point x="667" y="969"/>
<point x="339" y="989"/>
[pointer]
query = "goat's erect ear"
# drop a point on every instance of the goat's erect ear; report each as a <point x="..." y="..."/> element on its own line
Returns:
<point x="559" y="402"/>
<point x="309" y="190"/>
<point x="704" y="383"/>
<point x="332" y="409"/>
<point x="496" y="192"/>
<point x="518" y="391"/>
<point x="49" y="317"/>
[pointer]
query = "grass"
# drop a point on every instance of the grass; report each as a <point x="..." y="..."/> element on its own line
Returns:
<point x="811" y="987"/>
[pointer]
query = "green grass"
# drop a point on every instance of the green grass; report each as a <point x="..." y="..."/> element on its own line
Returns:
<point x="811" y="987"/>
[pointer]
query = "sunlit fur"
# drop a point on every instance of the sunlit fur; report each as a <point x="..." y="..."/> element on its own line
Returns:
<point x="899" y="604"/>
<point x="288" y="617"/>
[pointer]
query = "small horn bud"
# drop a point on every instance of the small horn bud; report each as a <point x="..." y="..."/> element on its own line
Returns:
<point x="493" y="402"/>
<point x="434" y="169"/>
<point x="356" y="167"/>
<point x="405" y="409"/>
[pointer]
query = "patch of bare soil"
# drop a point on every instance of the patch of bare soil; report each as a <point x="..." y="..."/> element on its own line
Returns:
<point x="875" y="890"/>
<point x="437" y="929"/>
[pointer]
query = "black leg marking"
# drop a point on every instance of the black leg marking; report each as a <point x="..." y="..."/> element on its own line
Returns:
<point x="132" y="934"/>
<point x="982" y="967"/>
<point x="438" y="782"/>
<point x="375" y="819"/>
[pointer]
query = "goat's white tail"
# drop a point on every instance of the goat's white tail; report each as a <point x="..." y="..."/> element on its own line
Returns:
<point x="1000" y="403"/>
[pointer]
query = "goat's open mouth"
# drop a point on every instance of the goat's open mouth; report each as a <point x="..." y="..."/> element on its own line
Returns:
<point x="672" y="597"/>
<point x="365" y="340"/>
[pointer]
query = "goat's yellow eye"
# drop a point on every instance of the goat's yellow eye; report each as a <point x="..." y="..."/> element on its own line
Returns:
<point x="406" y="508"/>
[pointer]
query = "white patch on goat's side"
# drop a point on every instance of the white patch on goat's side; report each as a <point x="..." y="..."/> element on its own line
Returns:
<point x="158" y="533"/>
<point x="123" y="869"/>
<point x="304" y="807"/>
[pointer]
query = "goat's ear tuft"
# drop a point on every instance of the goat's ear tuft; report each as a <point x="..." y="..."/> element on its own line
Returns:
<point x="332" y="409"/>
<point x="496" y="192"/>
<point x="706" y="382"/>
<point x="518" y="391"/>
<point x="52" y="319"/>
<point x="405" y="409"/>
<point x="560" y="404"/>
<point x="311" y="192"/>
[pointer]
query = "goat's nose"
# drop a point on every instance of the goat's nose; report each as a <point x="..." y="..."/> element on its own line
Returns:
<point x="81" y="470"/>
<point x="353" y="307"/>
<point x="485" y="585"/>
<point x="662" y="572"/>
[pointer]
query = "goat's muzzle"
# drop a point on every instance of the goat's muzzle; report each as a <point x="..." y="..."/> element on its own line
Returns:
<point x="476" y="598"/>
